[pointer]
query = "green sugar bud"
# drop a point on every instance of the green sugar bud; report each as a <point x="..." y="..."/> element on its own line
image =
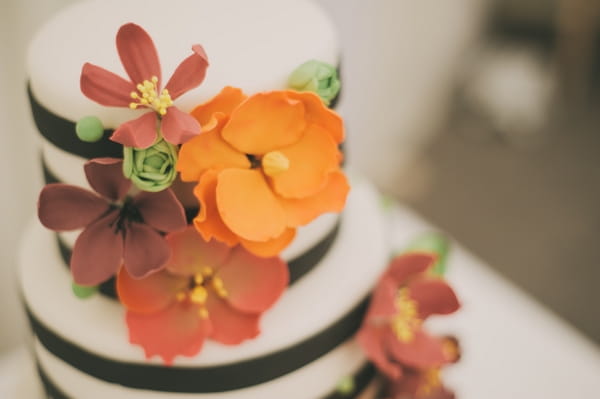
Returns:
<point x="89" y="129"/>
<point x="318" y="77"/>
<point x="151" y="169"/>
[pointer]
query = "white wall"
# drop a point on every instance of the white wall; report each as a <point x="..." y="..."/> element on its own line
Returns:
<point x="400" y="57"/>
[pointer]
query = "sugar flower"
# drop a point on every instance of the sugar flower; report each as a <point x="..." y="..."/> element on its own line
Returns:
<point x="140" y="60"/>
<point x="117" y="228"/>
<point x="207" y="290"/>
<point x="265" y="164"/>
<point x="420" y="384"/>
<point x="392" y="332"/>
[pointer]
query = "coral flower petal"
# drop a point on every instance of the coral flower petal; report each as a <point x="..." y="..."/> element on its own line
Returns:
<point x="230" y="327"/>
<point x="332" y="198"/>
<point x="176" y="330"/>
<point x="178" y="127"/>
<point x="97" y="252"/>
<point x="370" y="338"/>
<point x="138" y="133"/>
<point x="138" y="54"/>
<point x="62" y="207"/>
<point x="151" y="294"/>
<point x="105" y="87"/>
<point x="265" y="122"/>
<point x="105" y="176"/>
<point x="319" y="114"/>
<point x="189" y="74"/>
<point x="224" y="102"/>
<point x="190" y="253"/>
<point x="145" y="250"/>
<point x="271" y="247"/>
<point x="208" y="151"/>
<point x="383" y="300"/>
<point x="408" y="265"/>
<point x="209" y="222"/>
<point x="253" y="283"/>
<point x="257" y="215"/>
<point x="161" y="210"/>
<point x="423" y="351"/>
<point x="434" y="296"/>
<point x="310" y="161"/>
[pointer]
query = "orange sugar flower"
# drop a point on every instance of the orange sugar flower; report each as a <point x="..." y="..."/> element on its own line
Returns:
<point x="264" y="164"/>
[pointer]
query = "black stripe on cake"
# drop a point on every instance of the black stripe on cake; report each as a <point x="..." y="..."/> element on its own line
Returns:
<point x="202" y="379"/>
<point x="61" y="132"/>
<point x="362" y="378"/>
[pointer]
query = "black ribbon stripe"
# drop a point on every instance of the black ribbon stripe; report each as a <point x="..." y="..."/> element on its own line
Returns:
<point x="361" y="380"/>
<point x="202" y="379"/>
<point x="61" y="132"/>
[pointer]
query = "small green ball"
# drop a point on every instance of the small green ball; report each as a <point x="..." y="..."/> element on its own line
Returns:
<point x="89" y="129"/>
<point x="83" y="291"/>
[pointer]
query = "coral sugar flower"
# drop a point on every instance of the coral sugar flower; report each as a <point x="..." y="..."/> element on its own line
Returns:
<point x="117" y="228"/>
<point x="392" y="332"/>
<point x="140" y="60"/>
<point x="264" y="164"/>
<point x="207" y="290"/>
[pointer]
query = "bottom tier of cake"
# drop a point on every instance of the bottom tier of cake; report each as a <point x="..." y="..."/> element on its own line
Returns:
<point x="306" y="349"/>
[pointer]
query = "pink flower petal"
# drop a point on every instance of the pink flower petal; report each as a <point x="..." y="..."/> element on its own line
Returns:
<point x="230" y="327"/>
<point x="145" y="250"/>
<point x="97" y="252"/>
<point x="189" y="74"/>
<point x="105" y="176"/>
<point x="161" y="210"/>
<point x="62" y="207"/>
<point x="423" y="351"/>
<point x="370" y="338"/>
<point x="150" y="294"/>
<point x="190" y="252"/>
<point x="178" y="127"/>
<point x="177" y="330"/>
<point x="253" y="283"/>
<point x="138" y="133"/>
<point x="104" y="87"/>
<point x="433" y="296"/>
<point x="138" y="54"/>
<point x="405" y="266"/>
<point x="383" y="299"/>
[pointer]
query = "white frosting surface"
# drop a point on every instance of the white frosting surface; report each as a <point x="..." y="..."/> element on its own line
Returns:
<point x="343" y="278"/>
<point x="253" y="45"/>
<point x="314" y="380"/>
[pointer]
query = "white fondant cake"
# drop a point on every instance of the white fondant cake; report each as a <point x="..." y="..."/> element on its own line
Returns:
<point x="253" y="45"/>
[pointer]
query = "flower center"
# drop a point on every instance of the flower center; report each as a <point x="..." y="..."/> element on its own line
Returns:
<point x="406" y="320"/>
<point x="148" y="96"/>
<point x="431" y="381"/>
<point x="274" y="162"/>
<point x="127" y="213"/>
<point x="199" y="287"/>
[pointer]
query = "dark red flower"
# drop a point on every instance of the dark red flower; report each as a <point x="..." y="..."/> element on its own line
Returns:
<point x="140" y="60"/>
<point x="117" y="229"/>
<point x="392" y="332"/>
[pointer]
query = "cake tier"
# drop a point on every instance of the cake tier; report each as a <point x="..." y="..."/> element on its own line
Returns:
<point x="83" y="344"/>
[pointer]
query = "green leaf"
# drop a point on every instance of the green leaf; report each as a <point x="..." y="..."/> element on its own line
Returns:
<point x="433" y="243"/>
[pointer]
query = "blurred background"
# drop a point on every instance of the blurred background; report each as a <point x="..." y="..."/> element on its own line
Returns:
<point x="479" y="114"/>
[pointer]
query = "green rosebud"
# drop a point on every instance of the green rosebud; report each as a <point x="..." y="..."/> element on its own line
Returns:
<point x="318" y="77"/>
<point x="151" y="169"/>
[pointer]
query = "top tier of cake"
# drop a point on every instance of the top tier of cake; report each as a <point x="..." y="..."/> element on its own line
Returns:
<point x="251" y="45"/>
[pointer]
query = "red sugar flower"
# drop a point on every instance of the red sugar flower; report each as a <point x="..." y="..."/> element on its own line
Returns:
<point x="392" y="333"/>
<point x="117" y="228"/>
<point x="140" y="60"/>
<point x="207" y="290"/>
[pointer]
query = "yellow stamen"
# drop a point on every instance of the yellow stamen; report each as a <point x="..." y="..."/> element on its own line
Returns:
<point x="219" y="287"/>
<point x="199" y="295"/>
<point x="203" y="313"/>
<point x="207" y="271"/>
<point x="431" y="381"/>
<point x="198" y="279"/>
<point x="274" y="163"/>
<point x="150" y="97"/>
<point x="181" y="296"/>
<point x="406" y="320"/>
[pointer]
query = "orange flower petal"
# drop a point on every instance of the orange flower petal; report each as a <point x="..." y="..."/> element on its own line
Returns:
<point x="208" y="222"/>
<point x="331" y="198"/>
<point x="271" y="247"/>
<point x="224" y="102"/>
<point x="311" y="160"/>
<point x="265" y="122"/>
<point x="248" y="206"/>
<point x="318" y="113"/>
<point x="208" y="151"/>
